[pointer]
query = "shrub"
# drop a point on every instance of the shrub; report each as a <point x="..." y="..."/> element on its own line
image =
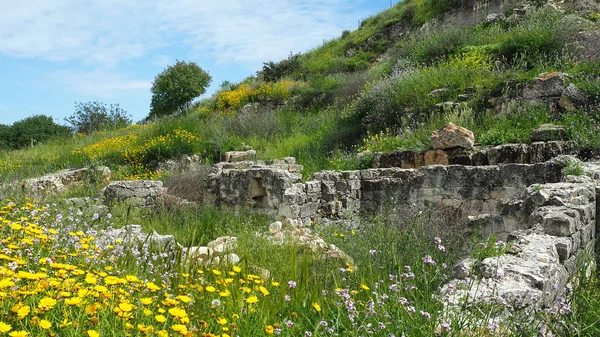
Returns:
<point x="174" y="144"/>
<point x="96" y="116"/>
<point x="431" y="46"/>
<point x="33" y="130"/>
<point x="515" y="127"/>
<point x="318" y="93"/>
<point x="247" y="93"/>
<point x="400" y="101"/>
<point x="274" y="71"/>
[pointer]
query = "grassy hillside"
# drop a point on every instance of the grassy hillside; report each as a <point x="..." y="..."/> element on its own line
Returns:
<point x="368" y="89"/>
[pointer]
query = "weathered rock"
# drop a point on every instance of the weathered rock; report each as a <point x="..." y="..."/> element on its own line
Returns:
<point x="142" y="193"/>
<point x="302" y="236"/>
<point x="223" y="245"/>
<point x="238" y="156"/>
<point x="572" y="98"/>
<point x="586" y="45"/>
<point x="544" y="86"/>
<point x="452" y="136"/>
<point x="186" y="163"/>
<point x="548" y="132"/>
<point x="463" y="269"/>
<point x="133" y="234"/>
<point x="495" y="18"/>
<point x="275" y="227"/>
<point x="65" y="179"/>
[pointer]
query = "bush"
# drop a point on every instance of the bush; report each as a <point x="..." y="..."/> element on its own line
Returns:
<point x="32" y="130"/>
<point x="432" y="46"/>
<point x="318" y="93"/>
<point x="398" y="102"/>
<point x="172" y="145"/>
<point x="515" y="127"/>
<point x="96" y="116"/>
<point x="274" y="71"/>
<point x="256" y="92"/>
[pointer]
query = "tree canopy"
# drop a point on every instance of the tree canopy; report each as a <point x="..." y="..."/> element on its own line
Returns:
<point x="176" y="87"/>
<point x="96" y="116"/>
<point x="31" y="130"/>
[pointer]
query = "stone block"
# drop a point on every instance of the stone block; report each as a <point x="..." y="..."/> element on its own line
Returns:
<point x="564" y="248"/>
<point x="435" y="157"/>
<point x="559" y="224"/>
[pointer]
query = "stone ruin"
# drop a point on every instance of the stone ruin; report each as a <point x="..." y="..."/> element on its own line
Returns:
<point x="524" y="198"/>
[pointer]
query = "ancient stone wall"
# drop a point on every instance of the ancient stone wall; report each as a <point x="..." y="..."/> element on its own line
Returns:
<point x="548" y="219"/>
<point x="487" y="196"/>
<point x="260" y="185"/>
<point x="537" y="152"/>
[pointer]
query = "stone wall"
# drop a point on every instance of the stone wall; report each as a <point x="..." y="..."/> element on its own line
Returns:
<point x="548" y="219"/>
<point x="541" y="258"/>
<point x="260" y="185"/>
<point x="487" y="196"/>
<point x="537" y="152"/>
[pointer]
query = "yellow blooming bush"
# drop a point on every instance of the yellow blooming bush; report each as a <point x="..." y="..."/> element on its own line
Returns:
<point x="162" y="147"/>
<point x="245" y="93"/>
<point x="107" y="146"/>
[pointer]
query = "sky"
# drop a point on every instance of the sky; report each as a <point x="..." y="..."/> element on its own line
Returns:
<point x="56" y="53"/>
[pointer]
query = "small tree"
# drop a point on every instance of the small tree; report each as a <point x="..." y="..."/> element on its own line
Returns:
<point x="4" y="137"/>
<point x="34" y="129"/>
<point x="96" y="116"/>
<point x="176" y="87"/>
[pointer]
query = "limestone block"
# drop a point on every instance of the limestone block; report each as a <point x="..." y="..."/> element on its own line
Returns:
<point x="239" y="156"/>
<point x="452" y="136"/>
<point x="564" y="248"/>
<point x="559" y="224"/>
<point x="435" y="157"/>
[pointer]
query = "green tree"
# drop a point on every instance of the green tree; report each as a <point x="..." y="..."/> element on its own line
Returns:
<point x="4" y="137"/>
<point x="96" y="116"/>
<point x="176" y="87"/>
<point x="35" y="129"/>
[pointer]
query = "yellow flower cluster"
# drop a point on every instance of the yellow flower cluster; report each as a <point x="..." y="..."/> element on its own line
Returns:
<point x="137" y="172"/>
<point x="7" y="166"/>
<point x="245" y="93"/>
<point x="382" y="141"/>
<point x="57" y="282"/>
<point x="107" y="146"/>
<point x="164" y="144"/>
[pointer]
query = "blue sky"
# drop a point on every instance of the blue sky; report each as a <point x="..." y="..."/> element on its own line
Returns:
<point x="53" y="53"/>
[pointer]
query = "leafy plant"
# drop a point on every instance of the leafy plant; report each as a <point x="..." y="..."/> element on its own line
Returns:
<point x="175" y="87"/>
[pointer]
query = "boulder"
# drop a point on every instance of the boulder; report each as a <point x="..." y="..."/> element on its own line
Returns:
<point x="546" y="85"/>
<point x="452" y="136"/>
<point x="572" y="98"/>
<point x="63" y="180"/>
<point x="494" y="18"/>
<point x="548" y="132"/>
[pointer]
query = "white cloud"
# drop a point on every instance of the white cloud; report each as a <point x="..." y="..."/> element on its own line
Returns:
<point x="106" y="33"/>
<point x="98" y="83"/>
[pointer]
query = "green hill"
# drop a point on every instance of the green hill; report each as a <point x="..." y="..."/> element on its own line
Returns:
<point x="369" y="89"/>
